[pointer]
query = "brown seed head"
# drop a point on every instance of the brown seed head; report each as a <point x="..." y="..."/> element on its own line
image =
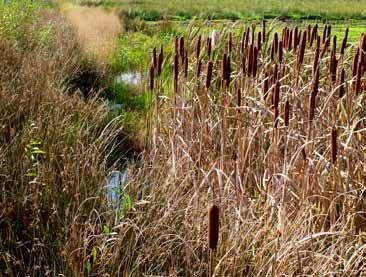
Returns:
<point x="152" y="69"/>
<point x="334" y="145"/>
<point x="209" y="74"/>
<point x="198" y="46"/>
<point x="341" y="84"/>
<point x="213" y="227"/>
<point x="287" y="113"/>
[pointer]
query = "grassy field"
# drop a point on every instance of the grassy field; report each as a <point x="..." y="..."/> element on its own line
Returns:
<point x="229" y="9"/>
<point x="247" y="152"/>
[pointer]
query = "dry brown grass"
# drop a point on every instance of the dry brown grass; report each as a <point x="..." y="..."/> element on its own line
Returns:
<point x="97" y="29"/>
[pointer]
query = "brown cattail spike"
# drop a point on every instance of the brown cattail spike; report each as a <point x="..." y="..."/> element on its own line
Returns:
<point x="259" y="41"/>
<point x="155" y="59"/>
<point x="198" y="46"/>
<point x="176" y="72"/>
<point x="314" y="34"/>
<point x="228" y="71"/>
<point x="334" y="145"/>
<point x="287" y="113"/>
<point x="324" y="33"/>
<point x="358" y="78"/>
<point x="209" y="47"/>
<point x="280" y="52"/>
<point x="224" y="68"/>
<point x="313" y="94"/>
<point x="255" y="61"/>
<point x="263" y="31"/>
<point x="198" y="68"/>
<point x="276" y="101"/>
<point x="265" y="87"/>
<point x="230" y="43"/>
<point x="300" y="57"/>
<point x="185" y="64"/>
<point x="152" y="69"/>
<point x="213" y="227"/>
<point x="239" y="99"/>
<point x="325" y="48"/>
<point x="160" y="61"/>
<point x="341" y="84"/>
<point x="209" y="74"/>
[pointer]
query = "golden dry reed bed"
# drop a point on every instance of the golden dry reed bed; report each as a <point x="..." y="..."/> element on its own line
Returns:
<point x="97" y="29"/>
<point x="270" y="128"/>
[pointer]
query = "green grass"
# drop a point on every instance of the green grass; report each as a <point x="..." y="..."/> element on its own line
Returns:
<point x="230" y="9"/>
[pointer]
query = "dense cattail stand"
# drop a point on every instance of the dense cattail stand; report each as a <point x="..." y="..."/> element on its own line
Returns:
<point x="265" y="118"/>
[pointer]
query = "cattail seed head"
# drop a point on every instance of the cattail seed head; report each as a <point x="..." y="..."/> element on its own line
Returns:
<point x="176" y="71"/>
<point x="255" y="61"/>
<point x="296" y="42"/>
<point x="287" y="113"/>
<point x="313" y="34"/>
<point x="250" y="61"/>
<point x="300" y="57"/>
<point x="333" y="67"/>
<point x="155" y="59"/>
<point x="259" y="41"/>
<point x="209" y="47"/>
<point x="213" y="227"/>
<point x="198" y="68"/>
<point x="325" y="48"/>
<point x="276" y="100"/>
<point x="224" y="67"/>
<point x="265" y="86"/>
<point x="358" y="78"/>
<point x="289" y="46"/>
<point x="181" y="47"/>
<point x="239" y="99"/>
<point x="275" y="42"/>
<point x="363" y="50"/>
<point x="242" y="46"/>
<point x="334" y="145"/>
<point x="228" y="71"/>
<point x="280" y="52"/>
<point x="160" y="61"/>
<point x="230" y="44"/>
<point x="335" y="44"/>
<point x="152" y="75"/>
<point x="198" y="46"/>
<point x="324" y="33"/>
<point x="316" y="59"/>
<point x="209" y="74"/>
<point x="355" y="62"/>
<point x="313" y="94"/>
<point x="341" y="84"/>
<point x="343" y="46"/>
<point x="329" y="30"/>
<point x="309" y="33"/>
<point x="186" y="65"/>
